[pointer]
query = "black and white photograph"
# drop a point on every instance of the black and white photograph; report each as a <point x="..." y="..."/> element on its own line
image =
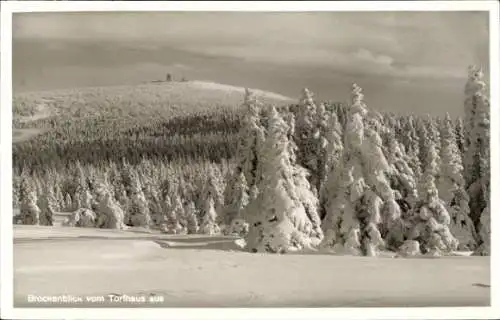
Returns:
<point x="158" y="156"/>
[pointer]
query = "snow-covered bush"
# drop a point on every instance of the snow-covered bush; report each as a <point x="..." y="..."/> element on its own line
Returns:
<point x="83" y="218"/>
<point x="410" y="248"/>
<point x="238" y="227"/>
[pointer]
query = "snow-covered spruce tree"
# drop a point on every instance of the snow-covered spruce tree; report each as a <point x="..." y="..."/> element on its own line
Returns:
<point x="412" y="147"/>
<point x="138" y="210"/>
<point x="309" y="136"/>
<point x="431" y="220"/>
<point x="321" y="147"/>
<point x="278" y="216"/>
<point x="434" y="134"/>
<point x="48" y="206"/>
<point x="477" y="108"/>
<point x="460" y="135"/>
<point x="451" y="188"/>
<point x="484" y="179"/>
<point x="175" y="216"/>
<point x="251" y="138"/>
<point x="191" y="217"/>
<point x="423" y="137"/>
<point x="29" y="211"/>
<point x="239" y="199"/>
<point x="109" y="214"/>
<point x="209" y="223"/>
<point x="362" y="189"/>
<point x="68" y="203"/>
<point x="401" y="174"/>
<point x="334" y="156"/>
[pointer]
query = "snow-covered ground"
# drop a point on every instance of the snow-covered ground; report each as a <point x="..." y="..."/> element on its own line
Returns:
<point x="200" y="271"/>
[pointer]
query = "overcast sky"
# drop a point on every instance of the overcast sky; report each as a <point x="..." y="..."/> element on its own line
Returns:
<point x="404" y="61"/>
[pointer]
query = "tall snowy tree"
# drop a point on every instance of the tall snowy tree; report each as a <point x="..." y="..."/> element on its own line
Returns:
<point x="138" y="211"/>
<point x="30" y="212"/>
<point x="477" y="108"/>
<point x="431" y="220"/>
<point x="192" y="219"/>
<point x="237" y="200"/>
<point x="252" y="136"/>
<point x="362" y="190"/>
<point x="209" y="223"/>
<point x="412" y="147"/>
<point x="48" y="205"/>
<point x="451" y="187"/>
<point x="251" y="139"/>
<point x="278" y="217"/>
<point x="334" y="156"/>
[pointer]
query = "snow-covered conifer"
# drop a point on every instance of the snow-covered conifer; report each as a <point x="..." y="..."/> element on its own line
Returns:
<point x="451" y="187"/>
<point x="48" y="207"/>
<point x="252" y="136"/>
<point x="138" y="210"/>
<point x="238" y="199"/>
<point x="362" y="192"/>
<point x="109" y="214"/>
<point x="251" y="139"/>
<point x="477" y="108"/>
<point x="68" y="202"/>
<point x="191" y="217"/>
<point x="278" y="216"/>
<point x="209" y="223"/>
<point x="175" y="216"/>
<point x="431" y="219"/>
<point x="29" y="211"/>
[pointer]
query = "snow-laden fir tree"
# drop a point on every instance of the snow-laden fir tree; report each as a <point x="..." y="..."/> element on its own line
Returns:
<point x="484" y="225"/>
<point x="109" y="214"/>
<point x="29" y="210"/>
<point x="451" y="188"/>
<point x="460" y="135"/>
<point x="58" y="197"/>
<point x="251" y="138"/>
<point x="138" y="210"/>
<point x="192" y="218"/>
<point x="238" y="200"/>
<point x="412" y="147"/>
<point x="361" y="190"/>
<point x="68" y="203"/>
<point x="308" y="135"/>
<point x="209" y="223"/>
<point x="334" y="156"/>
<point x="451" y="178"/>
<point x="431" y="219"/>
<point x="434" y="134"/>
<point x="477" y="109"/>
<point x="48" y="207"/>
<point x="175" y="216"/>
<point x="402" y="175"/>
<point x="278" y="215"/>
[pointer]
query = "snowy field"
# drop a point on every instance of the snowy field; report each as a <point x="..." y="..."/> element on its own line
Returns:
<point x="200" y="271"/>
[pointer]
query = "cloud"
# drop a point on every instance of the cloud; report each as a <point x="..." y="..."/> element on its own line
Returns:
<point x="434" y="45"/>
<point x="367" y="55"/>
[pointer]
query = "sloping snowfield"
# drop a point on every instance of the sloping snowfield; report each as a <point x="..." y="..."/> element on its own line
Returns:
<point x="200" y="271"/>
